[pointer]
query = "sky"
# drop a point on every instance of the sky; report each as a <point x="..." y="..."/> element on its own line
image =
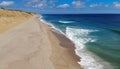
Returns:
<point x="63" y="6"/>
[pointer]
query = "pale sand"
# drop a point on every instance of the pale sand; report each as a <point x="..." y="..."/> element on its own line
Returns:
<point x="31" y="45"/>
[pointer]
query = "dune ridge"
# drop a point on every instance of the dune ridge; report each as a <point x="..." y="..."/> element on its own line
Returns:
<point x="10" y="18"/>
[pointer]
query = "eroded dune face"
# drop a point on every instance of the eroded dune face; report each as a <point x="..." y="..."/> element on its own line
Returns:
<point x="9" y="18"/>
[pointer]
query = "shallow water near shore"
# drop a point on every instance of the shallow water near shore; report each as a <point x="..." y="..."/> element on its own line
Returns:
<point x="96" y="36"/>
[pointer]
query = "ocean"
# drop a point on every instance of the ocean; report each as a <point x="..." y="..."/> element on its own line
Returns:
<point x="96" y="37"/>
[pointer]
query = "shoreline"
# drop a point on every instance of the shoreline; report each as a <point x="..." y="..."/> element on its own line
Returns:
<point x="63" y="43"/>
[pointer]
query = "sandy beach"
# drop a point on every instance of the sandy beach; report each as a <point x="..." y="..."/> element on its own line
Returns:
<point x="31" y="44"/>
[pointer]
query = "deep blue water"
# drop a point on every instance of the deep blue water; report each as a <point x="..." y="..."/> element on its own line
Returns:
<point x="97" y="37"/>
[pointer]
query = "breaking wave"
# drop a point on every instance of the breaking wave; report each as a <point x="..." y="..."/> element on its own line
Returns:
<point x="80" y="37"/>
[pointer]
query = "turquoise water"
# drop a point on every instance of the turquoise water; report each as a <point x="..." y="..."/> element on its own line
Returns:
<point x="97" y="37"/>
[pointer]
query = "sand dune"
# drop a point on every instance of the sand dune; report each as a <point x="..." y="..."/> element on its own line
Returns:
<point x="9" y="18"/>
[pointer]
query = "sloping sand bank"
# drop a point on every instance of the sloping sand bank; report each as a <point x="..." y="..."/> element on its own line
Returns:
<point x="32" y="45"/>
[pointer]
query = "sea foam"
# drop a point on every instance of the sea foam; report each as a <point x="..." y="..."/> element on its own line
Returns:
<point x="80" y="37"/>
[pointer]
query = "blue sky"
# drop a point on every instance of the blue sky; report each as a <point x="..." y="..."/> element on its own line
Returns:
<point x="63" y="6"/>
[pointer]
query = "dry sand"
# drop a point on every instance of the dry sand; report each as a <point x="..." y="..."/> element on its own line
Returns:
<point x="32" y="45"/>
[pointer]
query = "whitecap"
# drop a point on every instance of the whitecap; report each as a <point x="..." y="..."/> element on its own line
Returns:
<point x="66" y="22"/>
